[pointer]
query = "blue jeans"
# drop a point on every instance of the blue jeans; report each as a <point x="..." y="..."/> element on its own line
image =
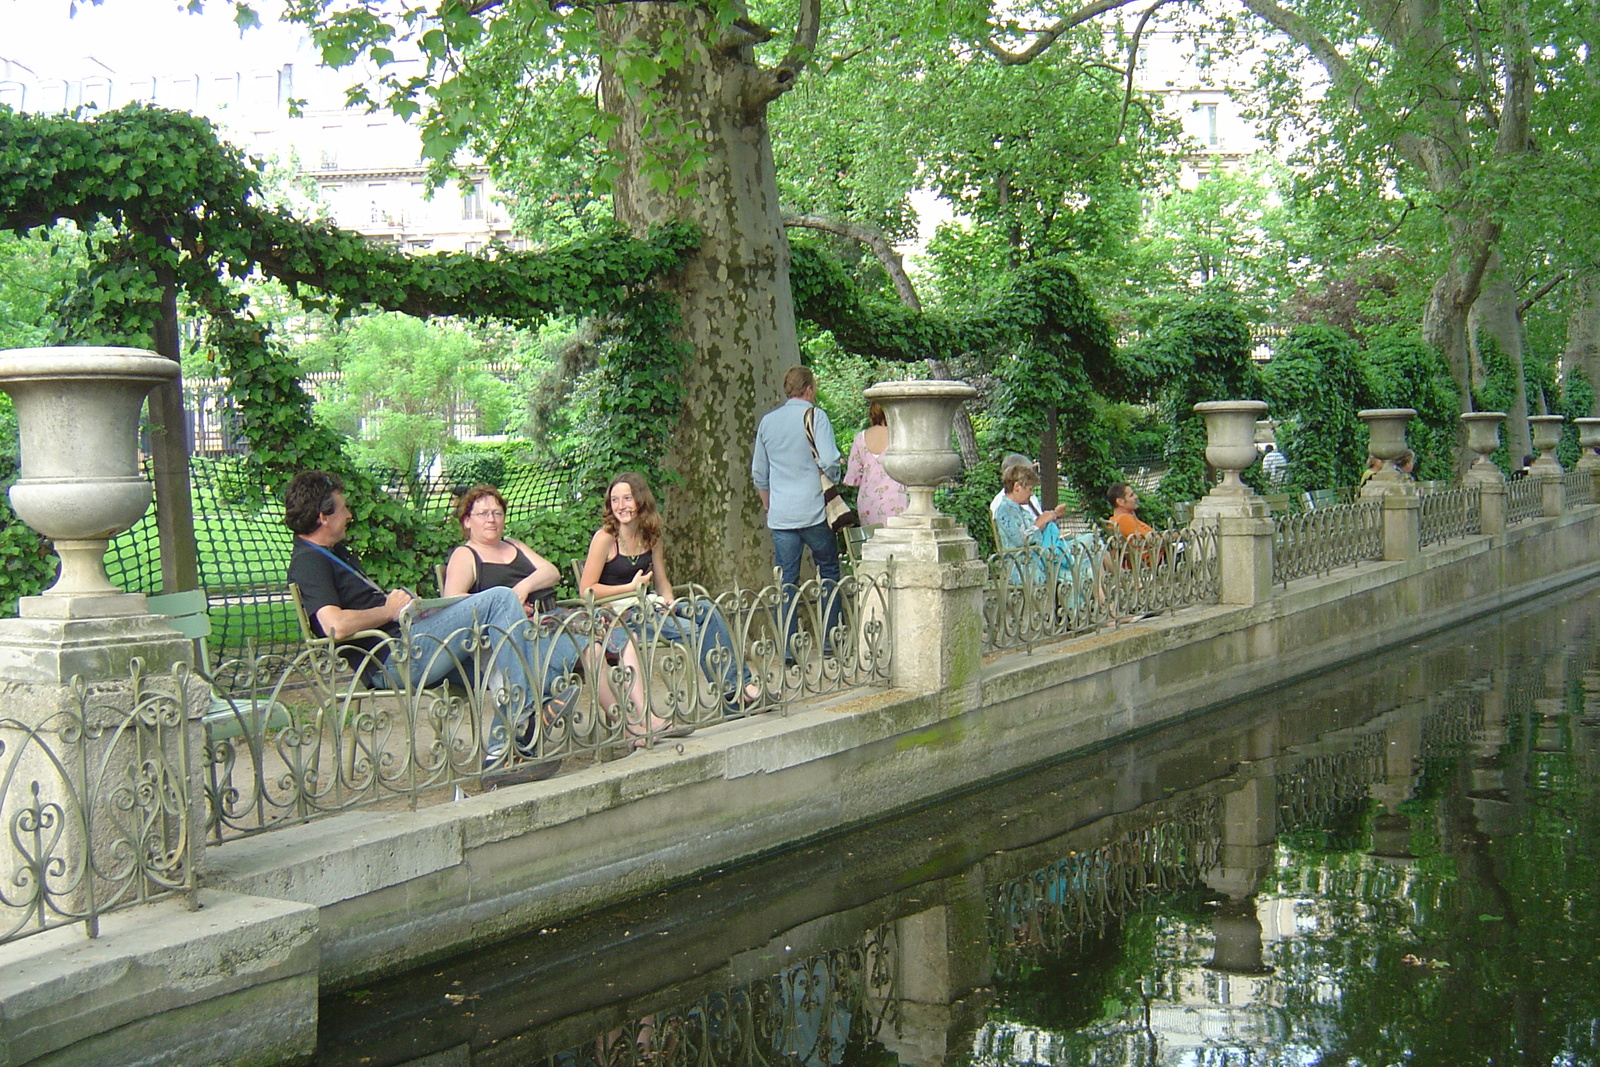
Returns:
<point x="787" y="546"/>
<point x="442" y="643"/>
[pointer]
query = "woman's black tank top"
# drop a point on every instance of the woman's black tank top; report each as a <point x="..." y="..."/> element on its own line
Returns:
<point x="618" y="571"/>
<point x="491" y="575"/>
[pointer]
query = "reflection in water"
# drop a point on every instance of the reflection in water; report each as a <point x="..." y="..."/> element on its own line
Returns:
<point x="1393" y="864"/>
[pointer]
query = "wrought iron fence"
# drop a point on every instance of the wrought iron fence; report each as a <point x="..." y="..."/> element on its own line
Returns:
<point x="96" y="803"/>
<point x="1448" y="513"/>
<point x="1038" y="593"/>
<point x="1524" y="499"/>
<point x="419" y="714"/>
<point x="1315" y="542"/>
<point x="1577" y="488"/>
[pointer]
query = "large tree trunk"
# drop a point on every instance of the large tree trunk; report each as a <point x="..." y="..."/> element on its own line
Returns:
<point x="1495" y="315"/>
<point x="737" y="309"/>
<point x="1583" y="334"/>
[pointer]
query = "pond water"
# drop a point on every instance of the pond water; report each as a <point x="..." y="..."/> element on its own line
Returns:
<point x="1397" y="862"/>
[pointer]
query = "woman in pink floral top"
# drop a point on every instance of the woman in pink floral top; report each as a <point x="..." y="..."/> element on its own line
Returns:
<point x="880" y="495"/>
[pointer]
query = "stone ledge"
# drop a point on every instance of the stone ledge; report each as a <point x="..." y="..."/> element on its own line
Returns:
<point x="226" y="968"/>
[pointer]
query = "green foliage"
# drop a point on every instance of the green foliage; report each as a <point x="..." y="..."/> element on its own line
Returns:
<point x="401" y="378"/>
<point x="1198" y="353"/>
<point x="560" y="535"/>
<point x="188" y="213"/>
<point x="968" y="503"/>
<point x="26" y="565"/>
<point x="1316" y="383"/>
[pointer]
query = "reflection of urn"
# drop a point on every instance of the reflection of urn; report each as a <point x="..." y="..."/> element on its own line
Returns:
<point x="921" y="417"/>
<point x="1231" y="437"/>
<point x="1238" y="939"/>
<point x="78" y="416"/>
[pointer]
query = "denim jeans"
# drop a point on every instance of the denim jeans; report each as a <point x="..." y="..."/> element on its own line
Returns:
<point x="699" y="626"/>
<point x="442" y="643"/>
<point x="787" y="546"/>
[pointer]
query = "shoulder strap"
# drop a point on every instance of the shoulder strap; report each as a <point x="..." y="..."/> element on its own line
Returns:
<point x="348" y="566"/>
<point x="811" y="433"/>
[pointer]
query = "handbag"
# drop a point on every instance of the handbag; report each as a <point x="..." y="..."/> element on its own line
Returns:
<point x="835" y="511"/>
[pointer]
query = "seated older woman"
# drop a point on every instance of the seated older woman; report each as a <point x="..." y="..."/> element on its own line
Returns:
<point x="1022" y="524"/>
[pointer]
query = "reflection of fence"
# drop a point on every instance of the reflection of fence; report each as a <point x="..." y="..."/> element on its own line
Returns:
<point x="95" y="803"/>
<point x="308" y="738"/>
<point x="1324" y="785"/>
<point x="1317" y="541"/>
<point x="1447" y="513"/>
<point x="1082" y="895"/>
<point x="1037" y="593"/>
<point x="821" y="1011"/>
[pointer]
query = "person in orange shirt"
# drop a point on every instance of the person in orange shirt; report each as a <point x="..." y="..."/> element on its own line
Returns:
<point x="1124" y="500"/>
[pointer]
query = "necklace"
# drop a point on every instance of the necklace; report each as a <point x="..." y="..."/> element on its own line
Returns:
<point x="631" y="557"/>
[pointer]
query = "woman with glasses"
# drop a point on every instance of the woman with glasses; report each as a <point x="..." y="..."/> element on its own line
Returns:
<point x="490" y="558"/>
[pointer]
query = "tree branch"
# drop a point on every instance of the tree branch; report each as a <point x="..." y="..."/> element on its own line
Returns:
<point x="873" y="239"/>
<point x="1046" y="37"/>
<point x="1542" y="292"/>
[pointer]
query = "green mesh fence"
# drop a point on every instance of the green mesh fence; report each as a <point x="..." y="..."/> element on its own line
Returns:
<point x="244" y="548"/>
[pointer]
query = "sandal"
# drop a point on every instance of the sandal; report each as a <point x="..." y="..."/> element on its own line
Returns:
<point x="642" y="738"/>
<point x="553" y="713"/>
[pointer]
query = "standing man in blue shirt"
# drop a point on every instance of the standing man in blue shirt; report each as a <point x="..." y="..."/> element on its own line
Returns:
<point x="784" y="470"/>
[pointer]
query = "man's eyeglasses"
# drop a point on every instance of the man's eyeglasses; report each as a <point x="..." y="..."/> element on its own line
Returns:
<point x="488" y="514"/>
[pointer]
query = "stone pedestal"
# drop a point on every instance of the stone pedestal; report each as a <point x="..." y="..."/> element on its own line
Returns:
<point x="1554" y="497"/>
<point x="106" y="754"/>
<point x="1242" y="518"/>
<point x="934" y="578"/>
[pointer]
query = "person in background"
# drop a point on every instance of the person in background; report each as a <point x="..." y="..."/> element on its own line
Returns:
<point x="1273" y="465"/>
<point x="784" y="471"/>
<point x="1124" y="500"/>
<point x="1011" y="460"/>
<point x="879" y="496"/>
<point x="1407" y="464"/>
<point x="1374" y="465"/>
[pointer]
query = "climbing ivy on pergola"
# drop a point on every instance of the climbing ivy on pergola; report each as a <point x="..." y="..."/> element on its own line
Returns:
<point x="185" y="213"/>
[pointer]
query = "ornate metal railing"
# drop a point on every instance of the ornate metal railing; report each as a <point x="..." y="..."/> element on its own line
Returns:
<point x="1577" y="488"/>
<point x="806" y="1016"/>
<point x="1039" y="593"/>
<point x="1081" y="895"/>
<point x="1524" y="499"/>
<point x="293" y="741"/>
<point x="1315" y="542"/>
<point x="95" y="801"/>
<point x="1448" y="513"/>
<point x="1323" y="784"/>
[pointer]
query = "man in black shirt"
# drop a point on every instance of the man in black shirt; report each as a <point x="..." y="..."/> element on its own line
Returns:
<point x="341" y="601"/>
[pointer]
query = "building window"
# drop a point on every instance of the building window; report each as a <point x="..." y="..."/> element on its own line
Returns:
<point x="1208" y="117"/>
<point x="472" y="201"/>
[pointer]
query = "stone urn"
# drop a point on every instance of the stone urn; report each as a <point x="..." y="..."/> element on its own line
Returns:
<point x="1588" y="441"/>
<point x="1483" y="437"/>
<point x="1231" y="439"/>
<point x="78" y="417"/>
<point x="1546" y="431"/>
<point x="921" y="417"/>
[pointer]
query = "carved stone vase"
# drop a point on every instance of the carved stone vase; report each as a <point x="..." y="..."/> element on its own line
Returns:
<point x="1483" y="437"/>
<point x="1231" y="440"/>
<point x="1546" y="430"/>
<point x="921" y="417"/>
<point x="78" y="418"/>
